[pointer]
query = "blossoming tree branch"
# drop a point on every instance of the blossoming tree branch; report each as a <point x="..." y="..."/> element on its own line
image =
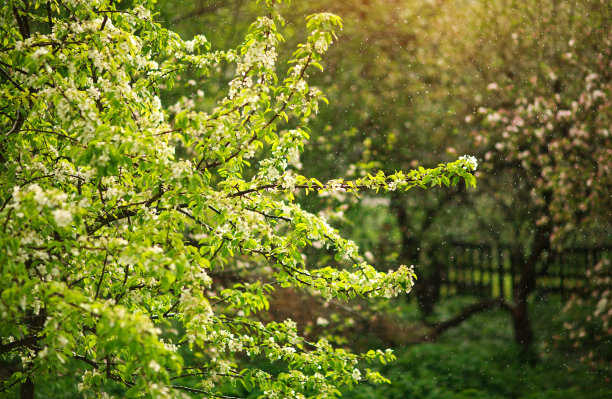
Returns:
<point x="109" y="238"/>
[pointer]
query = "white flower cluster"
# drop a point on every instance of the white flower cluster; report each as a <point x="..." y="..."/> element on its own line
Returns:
<point x="62" y="217"/>
<point x="199" y="313"/>
<point x="44" y="199"/>
<point x="321" y="45"/>
<point x="286" y="152"/>
<point x="198" y="40"/>
<point x="288" y="181"/>
<point x="260" y="52"/>
<point x="469" y="161"/>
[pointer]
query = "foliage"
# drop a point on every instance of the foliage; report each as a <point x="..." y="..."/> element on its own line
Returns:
<point x="478" y="360"/>
<point x="117" y="218"/>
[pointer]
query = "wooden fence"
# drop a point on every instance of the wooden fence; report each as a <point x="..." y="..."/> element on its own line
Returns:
<point x="485" y="270"/>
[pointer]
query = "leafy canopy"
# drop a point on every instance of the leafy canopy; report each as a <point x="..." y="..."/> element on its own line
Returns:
<point x="110" y="240"/>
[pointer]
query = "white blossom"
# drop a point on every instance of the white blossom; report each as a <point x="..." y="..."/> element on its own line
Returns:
<point x="153" y="365"/>
<point x="62" y="217"/>
<point x="469" y="161"/>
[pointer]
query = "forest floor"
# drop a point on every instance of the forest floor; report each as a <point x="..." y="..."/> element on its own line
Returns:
<point x="479" y="359"/>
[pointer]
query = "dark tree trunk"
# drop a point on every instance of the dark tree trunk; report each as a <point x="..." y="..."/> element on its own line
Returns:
<point x="428" y="289"/>
<point x="523" y="331"/>
<point x="409" y="254"/>
<point x="27" y="389"/>
<point x="36" y="323"/>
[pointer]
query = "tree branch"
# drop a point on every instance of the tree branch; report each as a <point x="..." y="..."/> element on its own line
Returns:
<point x="199" y="11"/>
<point x="4" y="348"/>
<point x="466" y="313"/>
<point x="125" y="213"/>
<point x="101" y="276"/>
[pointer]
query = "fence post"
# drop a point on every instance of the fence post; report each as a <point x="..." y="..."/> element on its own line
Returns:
<point x="500" y="270"/>
<point x="489" y="259"/>
<point x="561" y="277"/>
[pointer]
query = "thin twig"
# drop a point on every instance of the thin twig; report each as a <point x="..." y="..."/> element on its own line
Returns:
<point x="101" y="276"/>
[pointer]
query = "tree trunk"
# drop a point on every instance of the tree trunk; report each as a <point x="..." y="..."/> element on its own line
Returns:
<point x="409" y="254"/>
<point x="36" y="323"/>
<point x="523" y="331"/>
<point x="27" y="389"/>
<point x="428" y="289"/>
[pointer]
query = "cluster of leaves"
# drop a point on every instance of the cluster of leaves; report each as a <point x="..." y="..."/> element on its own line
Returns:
<point x="111" y="241"/>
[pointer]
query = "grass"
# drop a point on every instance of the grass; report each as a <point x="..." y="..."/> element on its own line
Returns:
<point x="479" y="359"/>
